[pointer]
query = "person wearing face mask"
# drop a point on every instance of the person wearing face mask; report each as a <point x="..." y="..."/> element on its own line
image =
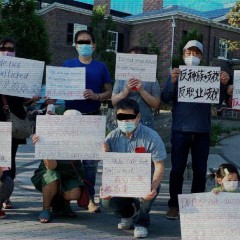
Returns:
<point x="15" y="105"/>
<point x="191" y="125"/>
<point x="98" y="89"/>
<point x="227" y="177"/>
<point x="129" y="136"/>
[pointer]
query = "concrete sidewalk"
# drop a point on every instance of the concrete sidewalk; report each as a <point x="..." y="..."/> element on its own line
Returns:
<point x="21" y="222"/>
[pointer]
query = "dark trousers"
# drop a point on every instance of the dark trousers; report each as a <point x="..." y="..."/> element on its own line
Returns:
<point x="182" y="142"/>
<point x="123" y="207"/>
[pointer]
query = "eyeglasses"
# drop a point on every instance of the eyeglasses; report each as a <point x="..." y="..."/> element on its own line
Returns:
<point x="9" y="49"/>
<point x="84" y="42"/>
<point x="123" y="116"/>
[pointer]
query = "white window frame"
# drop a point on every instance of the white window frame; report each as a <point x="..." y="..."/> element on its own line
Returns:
<point x="77" y="27"/>
<point x="222" y="48"/>
<point x="112" y="41"/>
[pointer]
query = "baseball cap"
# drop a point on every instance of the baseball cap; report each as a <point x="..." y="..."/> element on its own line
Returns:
<point x="72" y="113"/>
<point x="194" y="43"/>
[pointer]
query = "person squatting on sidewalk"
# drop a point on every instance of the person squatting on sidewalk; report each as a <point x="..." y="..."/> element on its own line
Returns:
<point x="191" y="125"/>
<point x="129" y="135"/>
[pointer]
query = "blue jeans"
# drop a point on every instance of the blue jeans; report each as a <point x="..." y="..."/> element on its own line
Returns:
<point x="90" y="169"/>
<point x="123" y="207"/>
<point x="182" y="142"/>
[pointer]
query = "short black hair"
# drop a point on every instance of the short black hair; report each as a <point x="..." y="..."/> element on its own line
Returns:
<point x="138" y="50"/>
<point x="84" y="31"/>
<point x="6" y="40"/>
<point x="128" y="103"/>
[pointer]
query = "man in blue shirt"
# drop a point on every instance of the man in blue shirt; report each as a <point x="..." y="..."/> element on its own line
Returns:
<point x="130" y="135"/>
<point x="98" y="88"/>
<point x="191" y="125"/>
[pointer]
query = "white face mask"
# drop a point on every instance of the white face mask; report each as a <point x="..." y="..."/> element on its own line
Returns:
<point x="230" y="186"/>
<point x="192" y="61"/>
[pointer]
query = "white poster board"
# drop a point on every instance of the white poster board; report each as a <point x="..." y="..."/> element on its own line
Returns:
<point x="139" y="66"/>
<point x="65" y="83"/>
<point x="70" y="137"/>
<point x="126" y="174"/>
<point x="206" y="216"/>
<point x="199" y="84"/>
<point x="6" y="144"/>
<point x="236" y="90"/>
<point x="20" y="77"/>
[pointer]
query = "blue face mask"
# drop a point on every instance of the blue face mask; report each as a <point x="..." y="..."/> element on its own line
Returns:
<point x="85" y="50"/>
<point x="126" y="127"/>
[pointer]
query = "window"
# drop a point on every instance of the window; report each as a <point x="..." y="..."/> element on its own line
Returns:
<point x="222" y="48"/>
<point x="72" y="29"/>
<point x="112" y="40"/>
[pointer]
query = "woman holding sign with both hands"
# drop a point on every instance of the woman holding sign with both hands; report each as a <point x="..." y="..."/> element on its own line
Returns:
<point x="16" y="106"/>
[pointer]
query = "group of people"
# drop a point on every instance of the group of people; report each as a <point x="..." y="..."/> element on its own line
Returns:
<point x="134" y="101"/>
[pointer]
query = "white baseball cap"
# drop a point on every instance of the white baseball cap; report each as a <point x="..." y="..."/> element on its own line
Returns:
<point x="194" y="43"/>
<point x="72" y="113"/>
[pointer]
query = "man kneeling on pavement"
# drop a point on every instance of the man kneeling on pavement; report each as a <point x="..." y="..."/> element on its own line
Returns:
<point x="129" y="135"/>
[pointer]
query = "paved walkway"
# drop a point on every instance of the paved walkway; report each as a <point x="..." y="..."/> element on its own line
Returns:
<point x="21" y="222"/>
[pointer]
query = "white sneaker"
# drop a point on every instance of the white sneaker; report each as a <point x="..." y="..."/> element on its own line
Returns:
<point x="126" y="223"/>
<point x="140" y="232"/>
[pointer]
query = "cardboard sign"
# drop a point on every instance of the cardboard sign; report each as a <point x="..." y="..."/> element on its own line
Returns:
<point x="236" y="90"/>
<point x="6" y="144"/>
<point x="139" y="66"/>
<point x="199" y="84"/>
<point x="70" y="137"/>
<point x="20" y="77"/>
<point x="207" y="216"/>
<point x="65" y="83"/>
<point x="126" y="174"/>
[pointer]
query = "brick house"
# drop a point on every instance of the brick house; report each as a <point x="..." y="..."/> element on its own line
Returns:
<point x="168" y="25"/>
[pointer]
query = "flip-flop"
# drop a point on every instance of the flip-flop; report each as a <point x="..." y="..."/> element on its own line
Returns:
<point x="44" y="216"/>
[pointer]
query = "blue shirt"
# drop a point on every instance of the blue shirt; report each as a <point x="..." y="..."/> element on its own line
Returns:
<point x="143" y="137"/>
<point x="152" y="88"/>
<point x="97" y="75"/>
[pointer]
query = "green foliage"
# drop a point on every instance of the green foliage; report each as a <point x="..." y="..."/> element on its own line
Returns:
<point x="234" y="20"/>
<point x="20" y="22"/>
<point x="101" y="25"/>
<point x="191" y="35"/>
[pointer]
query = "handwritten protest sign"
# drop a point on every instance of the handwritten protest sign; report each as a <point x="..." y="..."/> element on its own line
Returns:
<point x="126" y="174"/>
<point x="209" y="216"/>
<point x="199" y="84"/>
<point x="70" y="137"/>
<point x="20" y="77"/>
<point x="65" y="83"/>
<point x="6" y="144"/>
<point x="140" y="66"/>
<point x="236" y="90"/>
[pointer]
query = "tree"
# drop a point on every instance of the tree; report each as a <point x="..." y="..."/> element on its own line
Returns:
<point x="101" y="25"/>
<point x="20" y="22"/>
<point x="234" y="20"/>
<point x="191" y="35"/>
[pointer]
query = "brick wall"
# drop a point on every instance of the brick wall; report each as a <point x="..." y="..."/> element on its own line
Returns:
<point x="149" y="5"/>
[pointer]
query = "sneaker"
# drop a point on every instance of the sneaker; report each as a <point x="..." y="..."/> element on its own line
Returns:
<point x="173" y="213"/>
<point x="2" y="214"/>
<point x="7" y="204"/>
<point x="93" y="207"/>
<point x="126" y="223"/>
<point x="140" y="232"/>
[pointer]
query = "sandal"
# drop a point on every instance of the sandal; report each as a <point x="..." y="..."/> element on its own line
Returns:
<point x="44" y="216"/>
<point x="7" y="204"/>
